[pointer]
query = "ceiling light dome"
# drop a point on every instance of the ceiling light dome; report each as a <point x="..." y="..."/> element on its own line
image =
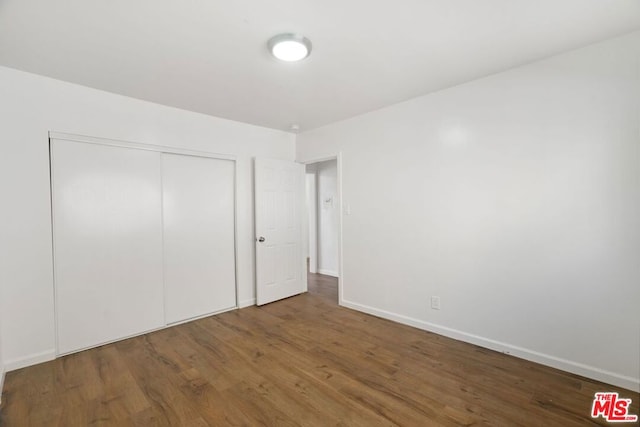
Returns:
<point x="289" y="47"/>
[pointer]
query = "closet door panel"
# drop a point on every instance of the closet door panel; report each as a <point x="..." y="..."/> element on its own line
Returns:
<point x="107" y="242"/>
<point x="199" y="237"/>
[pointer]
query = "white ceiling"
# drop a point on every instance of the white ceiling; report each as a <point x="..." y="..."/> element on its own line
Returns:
<point x="210" y="56"/>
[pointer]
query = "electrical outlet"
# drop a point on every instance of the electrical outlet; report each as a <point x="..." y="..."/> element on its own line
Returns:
<point x="435" y="303"/>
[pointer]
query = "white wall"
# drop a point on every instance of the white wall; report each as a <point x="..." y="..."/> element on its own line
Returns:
<point x="516" y="199"/>
<point x="30" y="106"/>
<point x="328" y="220"/>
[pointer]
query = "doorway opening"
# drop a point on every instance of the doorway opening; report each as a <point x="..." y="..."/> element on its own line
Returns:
<point x="323" y="219"/>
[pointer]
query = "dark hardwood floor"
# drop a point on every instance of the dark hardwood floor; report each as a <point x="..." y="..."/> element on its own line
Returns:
<point x="302" y="361"/>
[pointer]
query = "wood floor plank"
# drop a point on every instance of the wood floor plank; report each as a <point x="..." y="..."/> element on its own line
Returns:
<point x="268" y="362"/>
<point x="302" y="361"/>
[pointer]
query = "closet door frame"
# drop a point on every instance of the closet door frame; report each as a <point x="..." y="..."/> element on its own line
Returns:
<point x="147" y="147"/>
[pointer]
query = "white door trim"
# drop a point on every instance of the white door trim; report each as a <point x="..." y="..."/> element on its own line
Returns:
<point x="312" y="221"/>
<point x="338" y="158"/>
<point x="138" y="146"/>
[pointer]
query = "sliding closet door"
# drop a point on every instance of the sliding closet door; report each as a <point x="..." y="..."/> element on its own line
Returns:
<point x="108" y="242"/>
<point x="199" y="238"/>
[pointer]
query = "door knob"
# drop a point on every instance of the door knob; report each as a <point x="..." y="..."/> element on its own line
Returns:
<point x="261" y="239"/>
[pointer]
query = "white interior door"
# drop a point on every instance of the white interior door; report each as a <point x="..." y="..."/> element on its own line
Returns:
<point x="108" y="243"/>
<point x="199" y="238"/>
<point x="279" y="206"/>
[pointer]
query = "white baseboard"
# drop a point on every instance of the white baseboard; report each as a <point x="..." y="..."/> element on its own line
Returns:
<point x="33" y="359"/>
<point x="523" y="353"/>
<point x="328" y="272"/>
<point x="247" y="303"/>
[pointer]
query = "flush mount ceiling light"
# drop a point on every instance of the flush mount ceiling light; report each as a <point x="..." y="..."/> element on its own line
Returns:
<point x="289" y="47"/>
